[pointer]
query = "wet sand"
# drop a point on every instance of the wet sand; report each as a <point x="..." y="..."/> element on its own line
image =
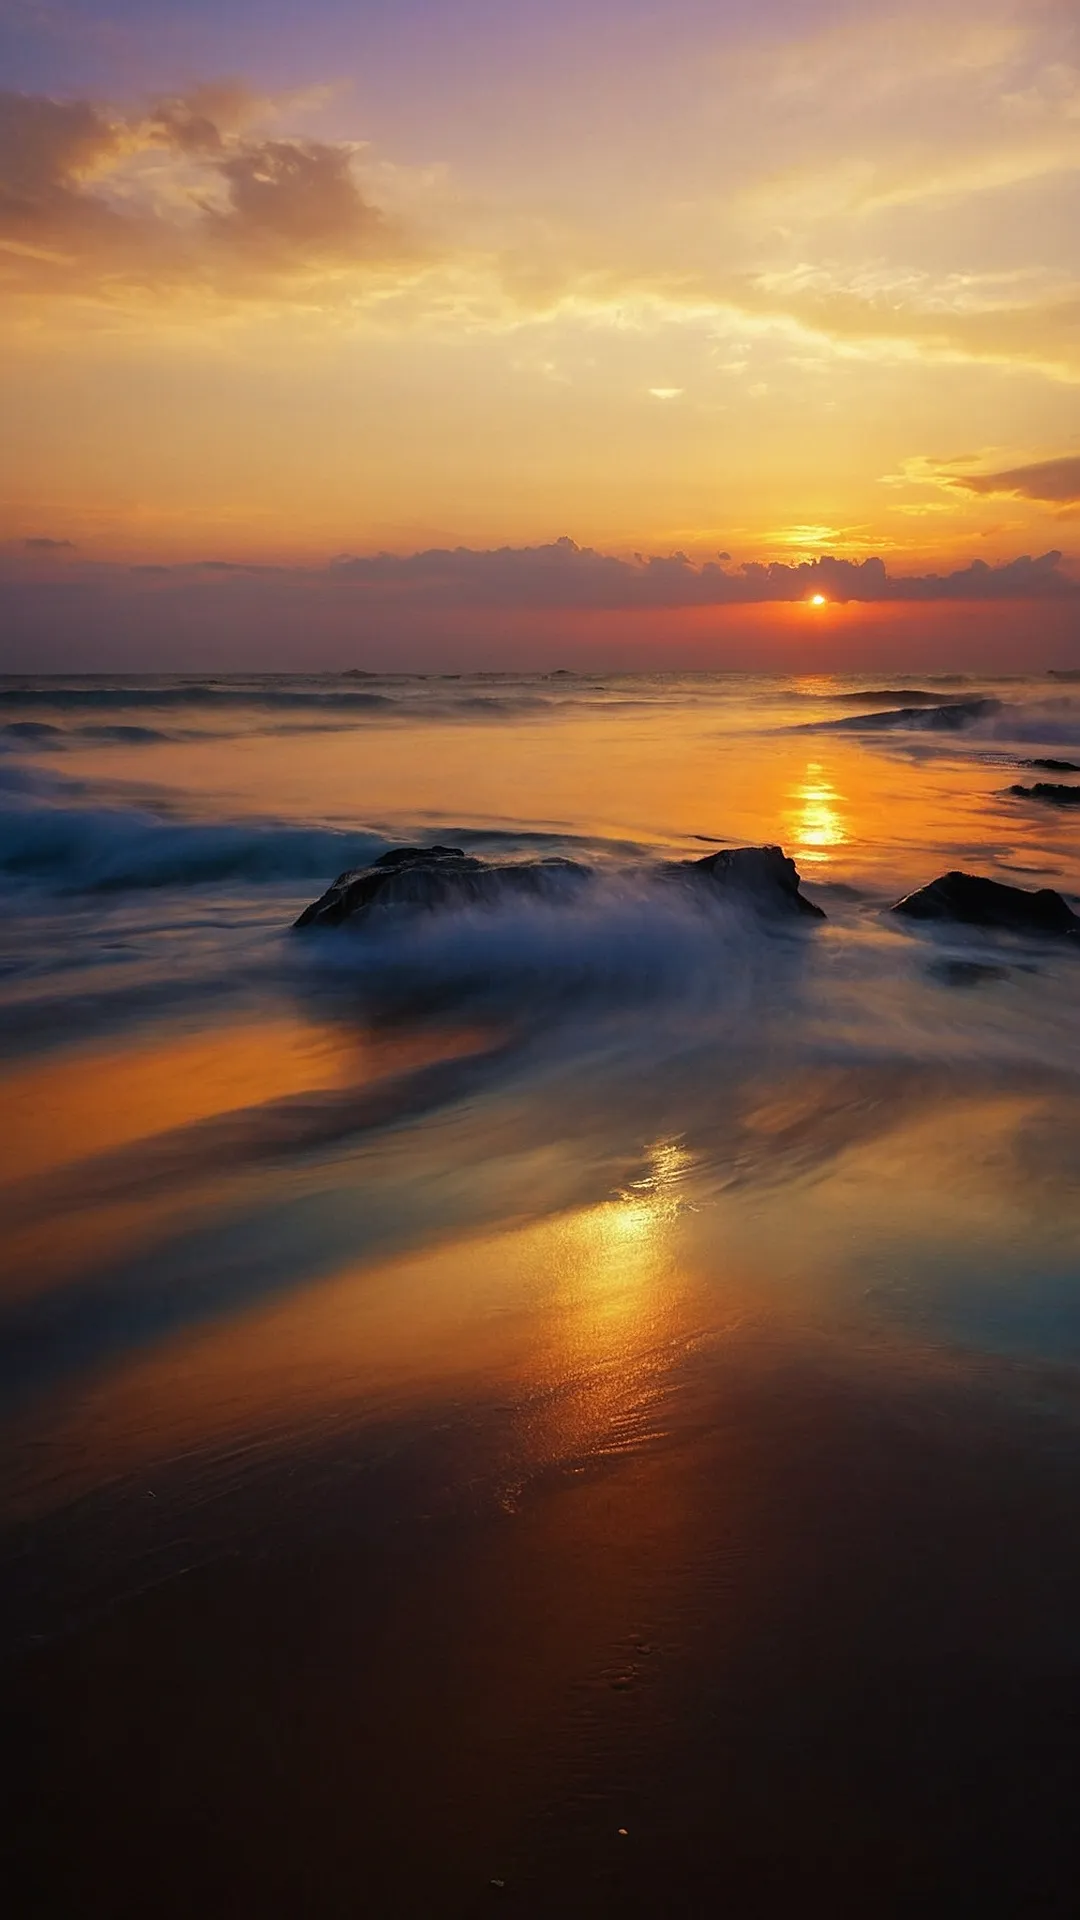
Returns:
<point x="815" y="1648"/>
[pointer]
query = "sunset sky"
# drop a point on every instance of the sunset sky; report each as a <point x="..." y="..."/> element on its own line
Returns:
<point x="294" y="287"/>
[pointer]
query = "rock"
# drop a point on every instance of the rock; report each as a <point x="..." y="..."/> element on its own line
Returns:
<point x="763" y="877"/>
<point x="426" y="877"/>
<point x="438" y="877"/>
<point x="988" y="903"/>
<point x="1052" y="793"/>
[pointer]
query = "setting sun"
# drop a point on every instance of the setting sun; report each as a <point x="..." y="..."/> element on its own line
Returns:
<point x="818" y="600"/>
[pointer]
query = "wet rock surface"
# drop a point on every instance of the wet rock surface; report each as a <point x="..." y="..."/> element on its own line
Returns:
<point x="763" y="876"/>
<point x="431" y="877"/>
<point x="436" y="877"/>
<point x="977" y="902"/>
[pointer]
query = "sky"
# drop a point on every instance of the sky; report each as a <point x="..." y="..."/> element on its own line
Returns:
<point x="604" y="323"/>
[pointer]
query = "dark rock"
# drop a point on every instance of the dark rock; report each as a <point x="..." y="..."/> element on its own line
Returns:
<point x="1051" y="793"/>
<point x="428" y="877"/>
<point x="1052" y="766"/>
<point x="438" y="877"/>
<point x="988" y="903"/>
<point x="764" y="877"/>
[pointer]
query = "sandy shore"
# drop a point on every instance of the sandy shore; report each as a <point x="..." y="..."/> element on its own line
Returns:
<point x="815" y="1647"/>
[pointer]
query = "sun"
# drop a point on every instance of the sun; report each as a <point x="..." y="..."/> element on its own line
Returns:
<point x="818" y="600"/>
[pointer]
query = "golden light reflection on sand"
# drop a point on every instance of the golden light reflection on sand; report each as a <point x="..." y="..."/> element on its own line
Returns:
<point x="89" y="1101"/>
<point x="612" y="1258"/>
<point x="85" y="1102"/>
<point x="575" y="1318"/>
<point x="64" y="1111"/>
<point x="574" y="1327"/>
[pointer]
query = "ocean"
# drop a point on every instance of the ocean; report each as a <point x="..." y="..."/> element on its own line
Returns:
<point x="565" y="1401"/>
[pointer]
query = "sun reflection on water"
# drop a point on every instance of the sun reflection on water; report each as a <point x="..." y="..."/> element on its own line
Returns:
<point x="813" y="819"/>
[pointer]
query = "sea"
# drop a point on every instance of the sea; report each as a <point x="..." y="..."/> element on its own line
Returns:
<point x="569" y="1404"/>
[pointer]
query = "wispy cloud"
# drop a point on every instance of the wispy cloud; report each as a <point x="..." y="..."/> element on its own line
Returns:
<point x="1056" y="481"/>
<point x="206" y="195"/>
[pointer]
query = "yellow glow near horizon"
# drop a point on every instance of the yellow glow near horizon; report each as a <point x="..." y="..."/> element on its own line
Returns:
<point x="272" y="326"/>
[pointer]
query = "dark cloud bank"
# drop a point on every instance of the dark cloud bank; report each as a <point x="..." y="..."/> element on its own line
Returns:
<point x="566" y="575"/>
<point x="512" y="606"/>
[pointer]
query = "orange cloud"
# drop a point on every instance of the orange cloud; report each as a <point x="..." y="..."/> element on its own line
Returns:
<point x="76" y="212"/>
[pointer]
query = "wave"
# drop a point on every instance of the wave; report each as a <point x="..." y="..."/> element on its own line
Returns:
<point x="98" y="848"/>
<point x="1052" y="723"/>
<point x="530" y="957"/>
<point x="41" y="733"/>
<point x="1035" y="723"/>
<point x="910" y="696"/>
<point x="46" y="837"/>
<point x="73" y="698"/>
<point x="951" y="717"/>
<point x="404" y="698"/>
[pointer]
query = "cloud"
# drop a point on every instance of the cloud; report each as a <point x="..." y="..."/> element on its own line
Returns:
<point x="45" y="146"/>
<point x="40" y="543"/>
<point x="448" y="608"/>
<point x="900" y="105"/>
<point x="183" y="193"/>
<point x="295" y="196"/>
<point x="198" y="195"/>
<point x="563" y="574"/>
<point x="1056" y="481"/>
<point x="911" y="316"/>
<point x="198" y="121"/>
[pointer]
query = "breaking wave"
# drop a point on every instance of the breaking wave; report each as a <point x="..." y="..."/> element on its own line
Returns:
<point x="47" y="837"/>
<point x="531" y="959"/>
<point x="99" y="848"/>
<point x="985" y="720"/>
<point x="951" y="716"/>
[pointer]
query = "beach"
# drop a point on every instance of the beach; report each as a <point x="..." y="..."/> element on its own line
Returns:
<point x="564" y="1403"/>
